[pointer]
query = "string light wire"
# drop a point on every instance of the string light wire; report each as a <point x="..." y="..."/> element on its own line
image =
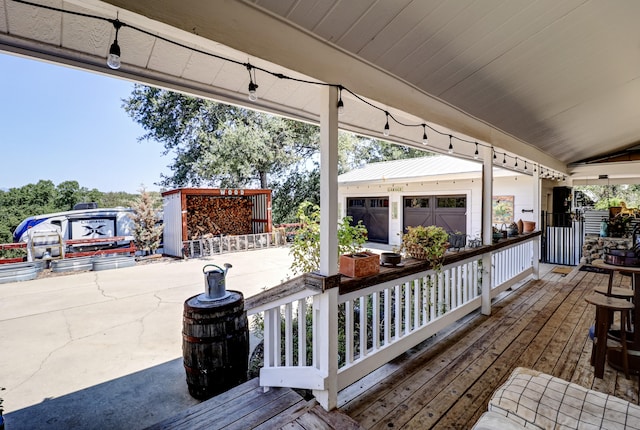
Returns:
<point x="253" y="85"/>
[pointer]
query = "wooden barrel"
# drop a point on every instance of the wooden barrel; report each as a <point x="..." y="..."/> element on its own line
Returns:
<point x="215" y="344"/>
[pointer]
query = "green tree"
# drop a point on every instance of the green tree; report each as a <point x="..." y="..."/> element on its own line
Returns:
<point x="305" y="248"/>
<point x="147" y="231"/>
<point x="220" y="145"/>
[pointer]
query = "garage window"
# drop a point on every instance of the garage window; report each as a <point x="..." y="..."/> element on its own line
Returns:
<point x="452" y="202"/>
<point x="416" y="203"/>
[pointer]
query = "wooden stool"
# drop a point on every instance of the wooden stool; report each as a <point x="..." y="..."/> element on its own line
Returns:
<point x="605" y="308"/>
<point x="618" y="293"/>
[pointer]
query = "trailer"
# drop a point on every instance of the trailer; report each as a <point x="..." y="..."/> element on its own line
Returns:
<point x="77" y="225"/>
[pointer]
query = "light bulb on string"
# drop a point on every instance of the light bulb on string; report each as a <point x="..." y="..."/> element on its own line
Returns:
<point x="476" y="154"/>
<point x="425" y="140"/>
<point x="504" y="158"/>
<point x="495" y="156"/>
<point x="113" y="60"/>
<point x="253" y="96"/>
<point x="516" y="165"/>
<point x="450" y="150"/>
<point x="525" y="165"/>
<point x="386" y="125"/>
<point x="340" y="103"/>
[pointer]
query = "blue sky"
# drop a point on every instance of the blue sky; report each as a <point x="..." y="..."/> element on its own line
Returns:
<point x="61" y="124"/>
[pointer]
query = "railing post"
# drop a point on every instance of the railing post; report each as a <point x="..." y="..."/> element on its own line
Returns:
<point x="487" y="230"/>
<point x="535" y="257"/>
<point x="486" y="284"/>
<point x="325" y="339"/>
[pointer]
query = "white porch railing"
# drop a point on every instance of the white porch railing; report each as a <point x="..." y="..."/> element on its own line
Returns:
<point x="325" y="341"/>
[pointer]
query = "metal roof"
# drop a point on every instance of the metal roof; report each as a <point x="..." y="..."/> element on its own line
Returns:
<point x="411" y="168"/>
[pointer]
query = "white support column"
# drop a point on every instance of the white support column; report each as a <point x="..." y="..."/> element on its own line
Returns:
<point x="329" y="181"/>
<point x="487" y="231"/>
<point x="326" y="304"/>
<point x="536" y="212"/>
<point x="325" y="307"/>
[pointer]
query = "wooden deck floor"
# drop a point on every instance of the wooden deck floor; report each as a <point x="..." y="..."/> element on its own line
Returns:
<point x="446" y="382"/>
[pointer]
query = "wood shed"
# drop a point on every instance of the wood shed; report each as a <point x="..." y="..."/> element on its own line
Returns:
<point x="195" y="213"/>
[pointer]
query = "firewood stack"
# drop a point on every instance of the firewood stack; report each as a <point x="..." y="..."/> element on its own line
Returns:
<point x="212" y="215"/>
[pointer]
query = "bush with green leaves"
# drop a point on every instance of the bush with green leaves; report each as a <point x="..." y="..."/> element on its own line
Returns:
<point x="305" y="247"/>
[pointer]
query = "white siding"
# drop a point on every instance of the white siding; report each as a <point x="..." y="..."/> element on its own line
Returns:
<point x="172" y="224"/>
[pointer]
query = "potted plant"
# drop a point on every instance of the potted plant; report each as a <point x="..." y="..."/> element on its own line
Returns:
<point x="512" y="229"/>
<point x="496" y="234"/>
<point x="426" y="243"/>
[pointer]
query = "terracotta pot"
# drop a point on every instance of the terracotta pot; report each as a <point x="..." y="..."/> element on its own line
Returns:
<point x="528" y="226"/>
<point x="360" y="264"/>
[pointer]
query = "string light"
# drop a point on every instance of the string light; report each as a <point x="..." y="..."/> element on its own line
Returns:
<point x="525" y="164"/>
<point x="252" y="85"/>
<point x="340" y="103"/>
<point x="386" y="125"/>
<point x="113" y="62"/>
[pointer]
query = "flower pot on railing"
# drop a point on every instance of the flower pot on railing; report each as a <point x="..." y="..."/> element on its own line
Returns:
<point x="528" y="226"/>
<point x="359" y="264"/>
<point x="457" y="240"/>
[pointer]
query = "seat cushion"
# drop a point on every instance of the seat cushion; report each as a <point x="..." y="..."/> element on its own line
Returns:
<point x="537" y="400"/>
<point x="494" y="421"/>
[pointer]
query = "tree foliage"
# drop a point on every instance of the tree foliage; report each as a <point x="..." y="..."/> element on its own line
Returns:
<point x="216" y="144"/>
<point x="148" y="230"/>
<point x="305" y="248"/>
<point x="605" y="196"/>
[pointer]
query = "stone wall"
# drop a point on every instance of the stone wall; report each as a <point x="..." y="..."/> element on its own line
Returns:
<point x="593" y="246"/>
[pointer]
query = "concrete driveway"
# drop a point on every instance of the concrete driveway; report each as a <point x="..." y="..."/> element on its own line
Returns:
<point x="97" y="350"/>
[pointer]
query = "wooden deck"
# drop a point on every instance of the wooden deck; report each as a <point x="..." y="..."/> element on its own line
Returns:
<point x="446" y="382"/>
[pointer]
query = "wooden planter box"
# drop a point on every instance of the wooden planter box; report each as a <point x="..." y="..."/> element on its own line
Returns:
<point x="360" y="264"/>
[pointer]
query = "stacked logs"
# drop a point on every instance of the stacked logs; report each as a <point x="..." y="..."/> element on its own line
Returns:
<point x="213" y="215"/>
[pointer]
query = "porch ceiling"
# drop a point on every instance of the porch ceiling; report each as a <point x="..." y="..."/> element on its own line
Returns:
<point x="553" y="82"/>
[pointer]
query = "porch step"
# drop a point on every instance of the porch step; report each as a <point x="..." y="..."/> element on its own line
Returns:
<point x="248" y="406"/>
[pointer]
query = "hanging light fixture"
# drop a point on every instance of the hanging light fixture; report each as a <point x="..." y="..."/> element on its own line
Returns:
<point x="504" y="158"/>
<point x="425" y="141"/>
<point x="516" y="165"/>
<point x="253" y="96"/>
<point x="494" y="155"/>
<point x="476" y="154"/>
<point x="525" y="164"/>
<point x="450" y="151"/>
<point x="113" y="60"/>
<point x="386" y="125"/>
<point x="340" y="103"/>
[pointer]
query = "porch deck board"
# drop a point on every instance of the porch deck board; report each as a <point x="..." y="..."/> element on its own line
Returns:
<point x="446" y="382"/>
